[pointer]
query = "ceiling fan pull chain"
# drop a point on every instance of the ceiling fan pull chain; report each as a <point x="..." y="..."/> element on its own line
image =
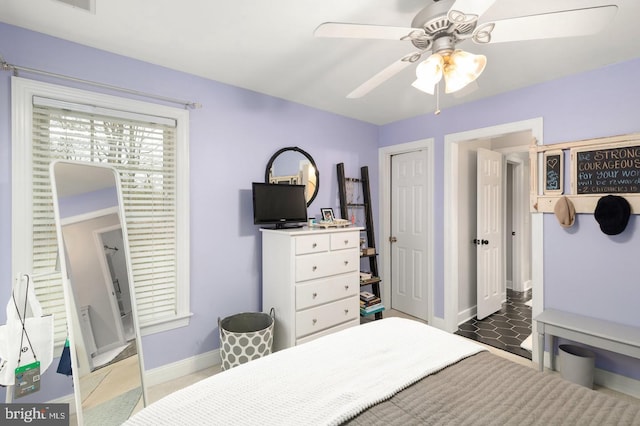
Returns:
<point x="437" y="111"/>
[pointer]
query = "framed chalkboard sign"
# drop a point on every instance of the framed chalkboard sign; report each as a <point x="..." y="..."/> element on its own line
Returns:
<point x="606" y="169"/>
<point x="553" y="172"/>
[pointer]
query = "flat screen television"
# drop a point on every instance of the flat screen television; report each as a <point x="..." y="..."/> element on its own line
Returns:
<point x="282" y="205"/>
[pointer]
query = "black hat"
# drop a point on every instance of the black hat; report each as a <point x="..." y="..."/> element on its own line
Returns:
<point x="612" y="213"/>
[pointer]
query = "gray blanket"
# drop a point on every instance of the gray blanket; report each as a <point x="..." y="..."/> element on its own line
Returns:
<point x="485" y="389"/>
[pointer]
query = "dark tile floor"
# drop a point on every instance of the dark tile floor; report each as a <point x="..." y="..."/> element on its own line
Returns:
<point x="507" y="328"/>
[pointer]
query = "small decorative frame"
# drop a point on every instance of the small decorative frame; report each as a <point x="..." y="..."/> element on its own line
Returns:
<point x="553" y="172"/>
<point x="327" y="214"/>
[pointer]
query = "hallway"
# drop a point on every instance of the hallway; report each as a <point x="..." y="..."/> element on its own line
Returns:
<point x="507" y="328"/>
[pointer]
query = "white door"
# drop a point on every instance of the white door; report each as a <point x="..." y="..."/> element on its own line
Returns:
<point x="490" y="233"/>
<point x="409" y="233"/>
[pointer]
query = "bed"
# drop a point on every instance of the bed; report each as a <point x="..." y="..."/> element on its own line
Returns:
<point x="389" y="372"/>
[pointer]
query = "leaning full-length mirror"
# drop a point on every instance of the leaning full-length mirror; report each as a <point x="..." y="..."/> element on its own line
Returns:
<point x="106" y="350"/>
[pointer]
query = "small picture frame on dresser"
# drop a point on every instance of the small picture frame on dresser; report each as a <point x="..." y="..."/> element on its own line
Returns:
<point x="327" y="214"/>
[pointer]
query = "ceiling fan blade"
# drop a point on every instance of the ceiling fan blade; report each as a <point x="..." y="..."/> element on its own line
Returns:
<point x="568" y="23"/>
<point x="381" y="32"/>
<point x="467" y="11"/>
<point x="384" y="75"/>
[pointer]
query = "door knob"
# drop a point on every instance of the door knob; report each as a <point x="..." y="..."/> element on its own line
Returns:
<point x="393" y="239"/>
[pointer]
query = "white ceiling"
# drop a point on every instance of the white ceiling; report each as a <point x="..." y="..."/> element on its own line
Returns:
<point x="269" y="47"/>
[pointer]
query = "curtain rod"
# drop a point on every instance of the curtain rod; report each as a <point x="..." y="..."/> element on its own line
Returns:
<point x="15" y="68"/>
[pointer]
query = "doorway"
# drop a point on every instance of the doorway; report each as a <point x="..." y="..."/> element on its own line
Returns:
<point x="513" y="141"/>
<point x="493" y="210"/>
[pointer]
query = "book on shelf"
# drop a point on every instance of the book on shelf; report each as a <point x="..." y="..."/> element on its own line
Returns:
<point x="366" y="303"/>
<point x="365" y="276"/>
<point x="372" y="309"/>
<point x="368" y="251"/>
<point x="367" y="295"/>
<point x="369" y="281"/>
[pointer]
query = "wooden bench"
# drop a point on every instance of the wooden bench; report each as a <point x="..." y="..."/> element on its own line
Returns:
<point x="619" y="338"/>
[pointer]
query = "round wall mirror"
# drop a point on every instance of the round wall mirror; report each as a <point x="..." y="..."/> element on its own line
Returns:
<point x="294" y="166"/>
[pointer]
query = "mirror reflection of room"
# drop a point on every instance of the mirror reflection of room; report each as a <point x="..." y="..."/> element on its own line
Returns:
<point x="293" y="166"/>
<point x="98" y="275"/>
<point x="100" y="306"/>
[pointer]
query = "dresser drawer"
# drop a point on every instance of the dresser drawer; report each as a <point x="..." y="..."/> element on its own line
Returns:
<point x="345" y="240"/>
<point x="322" y="317"/>
<point x="312" y="243"/>
<point x="314" y="266"/>
<point x="314" y="336"/>
<point x="314" y="293"/>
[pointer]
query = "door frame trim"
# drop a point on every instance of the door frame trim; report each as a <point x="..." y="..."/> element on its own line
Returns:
<point x="384" y="167"/>
<point x="518" y="202"/>
<point x="451" y="217"/>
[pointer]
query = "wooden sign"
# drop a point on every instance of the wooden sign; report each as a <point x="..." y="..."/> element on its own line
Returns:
<point x="553" y="172"/>
<point x="606" y="169"/>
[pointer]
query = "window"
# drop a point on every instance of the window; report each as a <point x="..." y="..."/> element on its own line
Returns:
<point x="147" y="145"/>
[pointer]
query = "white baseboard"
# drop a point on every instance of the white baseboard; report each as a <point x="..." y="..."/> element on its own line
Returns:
<point x="440" y="323"/>
<point x="617" y="382"/>
<point x="181" y="368"/>
<point x="467" y="314"/>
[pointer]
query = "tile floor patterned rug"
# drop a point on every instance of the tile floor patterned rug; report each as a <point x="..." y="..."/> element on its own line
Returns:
<point x="507" y="328"/>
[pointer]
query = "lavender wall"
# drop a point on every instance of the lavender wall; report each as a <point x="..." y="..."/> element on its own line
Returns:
<point x="232" y="137"/>
<point x="585" y="271"/>
<point x="235" y="133"/>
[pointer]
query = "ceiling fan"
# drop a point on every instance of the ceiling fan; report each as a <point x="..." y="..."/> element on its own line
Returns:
<point x="442" y="24"/>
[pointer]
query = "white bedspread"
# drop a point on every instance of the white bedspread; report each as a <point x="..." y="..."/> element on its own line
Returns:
<point x="325" y="381"/>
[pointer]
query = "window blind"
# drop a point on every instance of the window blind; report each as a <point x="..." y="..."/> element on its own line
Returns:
<point x="144" y="154"/>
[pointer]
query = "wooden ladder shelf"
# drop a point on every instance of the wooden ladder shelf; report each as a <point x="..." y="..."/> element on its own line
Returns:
<point x="368" y="252"/>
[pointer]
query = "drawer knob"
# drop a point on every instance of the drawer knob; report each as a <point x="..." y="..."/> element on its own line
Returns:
<point x="346" y="262"/>
<point x="346" y="311"/>
<point x="314" y="268"/>
<point x="346" y="287"/>
<point x="346" y="242"/>
<point x="314" y="295"/>
<point x="314" y="245"/>
<point x="314" y="321"/>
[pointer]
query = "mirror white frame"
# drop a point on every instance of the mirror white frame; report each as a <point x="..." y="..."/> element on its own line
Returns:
<point x="76" y="339"/>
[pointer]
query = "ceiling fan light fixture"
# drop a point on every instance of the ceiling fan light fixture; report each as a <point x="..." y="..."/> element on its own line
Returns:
<point x="429" y="73"/>
<point x="462" y="68"/>
<point x="425" y="86"/>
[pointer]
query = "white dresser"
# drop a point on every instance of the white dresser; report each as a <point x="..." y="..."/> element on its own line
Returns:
<point x="311" y="277"/>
